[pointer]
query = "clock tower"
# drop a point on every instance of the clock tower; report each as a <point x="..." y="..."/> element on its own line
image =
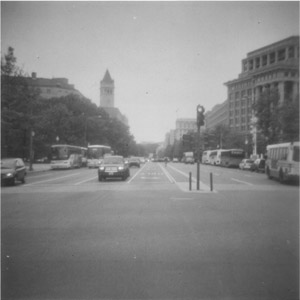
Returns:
<point x="107" y="87"/>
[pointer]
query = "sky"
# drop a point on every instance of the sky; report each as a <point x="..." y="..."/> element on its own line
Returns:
<point x="165" y="57"/>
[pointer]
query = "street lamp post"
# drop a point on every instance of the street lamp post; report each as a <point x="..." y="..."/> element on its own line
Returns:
<point x="31" y="153"/>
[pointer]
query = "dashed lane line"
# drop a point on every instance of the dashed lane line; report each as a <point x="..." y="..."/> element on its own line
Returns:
<point x="241" y="181"/>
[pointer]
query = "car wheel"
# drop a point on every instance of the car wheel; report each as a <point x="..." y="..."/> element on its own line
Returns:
<point x="23" y="180"/>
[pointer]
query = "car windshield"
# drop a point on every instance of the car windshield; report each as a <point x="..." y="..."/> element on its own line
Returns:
<point x="113" y="160"/>
<point x="248" y="161"/>
<point x="7" y="164"/>
<point x="134" y="159"/>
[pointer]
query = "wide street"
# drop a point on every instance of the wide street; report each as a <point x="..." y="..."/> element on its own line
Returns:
<point x="65" y="235"/>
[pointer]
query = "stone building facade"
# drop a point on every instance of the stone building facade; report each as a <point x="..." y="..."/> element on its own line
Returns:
<point x="273" y="66"/>
<point x="219" y="115"/>
<point x="51" y="88"/>
<point x="107" y="98"/>
<point x="183" y="126"/>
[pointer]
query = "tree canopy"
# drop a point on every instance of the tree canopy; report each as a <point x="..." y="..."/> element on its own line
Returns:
<point x="70" y="120"/>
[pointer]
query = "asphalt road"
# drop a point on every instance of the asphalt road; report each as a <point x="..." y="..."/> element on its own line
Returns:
<point x="67" y="236"/>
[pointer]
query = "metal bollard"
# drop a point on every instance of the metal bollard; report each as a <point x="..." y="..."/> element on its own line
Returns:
<point x="190" y="180"/>
<point x="211" y="182"/>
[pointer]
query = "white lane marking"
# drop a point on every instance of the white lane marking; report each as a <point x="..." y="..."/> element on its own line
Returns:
<point x="90" y="179"/>
<point x="202" y="185"/>
<point x="138" y="172"/>
<point x="171" y="179"/>
<point x="53" y="179"/>
<point x="150" y="177"/>
<point x="245" y="182"/>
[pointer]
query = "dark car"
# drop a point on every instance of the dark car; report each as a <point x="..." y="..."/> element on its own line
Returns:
<point x="113" y="167"/>
<point x="259" y="165"/>
<point x="134" y="162"/>
<point x="12" y="170"/>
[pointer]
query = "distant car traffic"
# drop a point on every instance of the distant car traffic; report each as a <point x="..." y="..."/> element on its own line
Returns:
<point x="175" y="160"/>
<point x="12" y="170"/>
<point x="113" y="167"/>
<point x="134" y="162"/>
<point x="259" y="165"/>
<point x="189" y="160"/>
<point x="246" y="164"/>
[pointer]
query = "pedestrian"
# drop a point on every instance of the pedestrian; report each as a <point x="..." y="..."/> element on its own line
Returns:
<point x="166" y="161"/>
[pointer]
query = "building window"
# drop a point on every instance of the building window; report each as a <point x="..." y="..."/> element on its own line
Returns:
<point x="257" y="62"/>
<point x="291" y="52"/>
<point x="264" y="60"/>
<point x="272" y="57"/>
<point x="281" y="54"/>
<point x="237" y="95"/>
<point x="250" y="64"/>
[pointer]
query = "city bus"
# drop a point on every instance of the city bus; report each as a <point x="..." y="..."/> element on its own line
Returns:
<point x="66" y="156"/>
<point x="215" y="157"/>
<point x="205" y="157"/>
<point x="96" y="153"/>
<point x="231" y="158"/>
<point x="283" y="161"/>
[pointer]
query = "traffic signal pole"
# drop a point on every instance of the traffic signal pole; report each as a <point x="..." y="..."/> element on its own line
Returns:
<point x="198" y="158"/>
<point x="200" y="122"/>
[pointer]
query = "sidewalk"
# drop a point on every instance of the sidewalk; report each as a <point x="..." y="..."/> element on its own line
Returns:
<point x="38" y="167"/>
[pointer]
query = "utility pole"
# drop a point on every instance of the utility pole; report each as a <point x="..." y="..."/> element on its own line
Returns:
<point x="31" y="153"/>
<point x="200" y="122"/>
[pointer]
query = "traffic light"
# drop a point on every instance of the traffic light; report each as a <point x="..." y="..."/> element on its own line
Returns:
<point x="200" y="115"/>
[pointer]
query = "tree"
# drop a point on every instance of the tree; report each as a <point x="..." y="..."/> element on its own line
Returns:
<point x="18" y="102"/>
<point x="289" y="113"/>
<point x="75" y="120"/>
<point x="277" y="123"/>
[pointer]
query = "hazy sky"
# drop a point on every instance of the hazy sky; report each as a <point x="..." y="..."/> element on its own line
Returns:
<point x="165" y="57"/>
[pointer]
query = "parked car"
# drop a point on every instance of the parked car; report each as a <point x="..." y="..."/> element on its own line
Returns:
<point x="12" y="170"/>
<point x="259" y="165"/>
<point x="246" y="164"/>
<point x="175" y="160"/>
<point x="134" y="162"/>
<point x="113" y="167"/>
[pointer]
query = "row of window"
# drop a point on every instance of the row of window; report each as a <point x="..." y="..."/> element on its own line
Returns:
<point x="237" y="119"/>
<point x="238" y="112"/>
<point x="240" y="94"/>
<point x="241" y="103"/>
<point x="268" y="59"/>
<point x="241" y="127"/>
<point x="278" y="153"/>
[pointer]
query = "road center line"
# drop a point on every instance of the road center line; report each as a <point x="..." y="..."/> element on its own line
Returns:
<point x="245" y="182"/>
